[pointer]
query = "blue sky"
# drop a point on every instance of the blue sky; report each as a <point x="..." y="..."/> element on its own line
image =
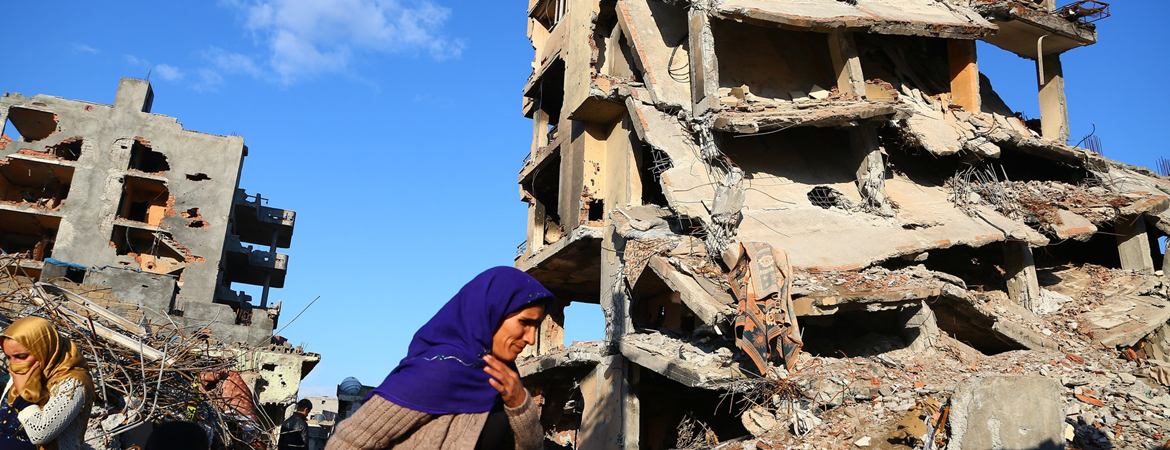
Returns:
<point x="393" y="128"/>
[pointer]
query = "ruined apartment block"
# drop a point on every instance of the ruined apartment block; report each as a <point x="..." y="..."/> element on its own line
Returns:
<point x="921" y="217"/>
<point x="115" y="196"/>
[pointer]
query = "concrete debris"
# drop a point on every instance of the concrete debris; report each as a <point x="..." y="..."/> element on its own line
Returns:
<point x="1007" y="412"/>
<point x="939" y="245"/>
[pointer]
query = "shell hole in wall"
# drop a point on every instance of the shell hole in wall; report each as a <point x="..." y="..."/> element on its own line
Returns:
<point x="31" y="125"/>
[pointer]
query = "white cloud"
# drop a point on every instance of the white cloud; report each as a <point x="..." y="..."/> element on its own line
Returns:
<point x="135" y="61"/>
<point x="309" y="37"/>
<point x="233" y="62"/>
<point x="209" y="80"/>
<point x="85" y="48"/>
<point x="168" y="72"/>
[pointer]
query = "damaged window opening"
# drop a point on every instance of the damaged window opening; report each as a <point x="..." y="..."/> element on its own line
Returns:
<point x="30" y="234"/>
<point x="32" y="125"/>
<point x="550" y="94"/>
<point x="584" y="322"/>
<point x="651" y="164"/>
<point x="68" y="150"/>
<point x="145" y="159"/>
<point x="596" y="210"/>
<point x="153" y="252"/>
<point x="655" y="306"/>
<point x="980" y="268"/>
<point x="545" y="189"/>
<point x="849" y="334"/>
<point x="198" y="177"/>
<point x="659" y="420"/>
<point x="550" y="12"/>
<point x="915" y="61"/>
<point x="782" y="64"/>
<point x="40" y="185"/>
<point x="144" y="200"/>
<point x="1100" y="249"/>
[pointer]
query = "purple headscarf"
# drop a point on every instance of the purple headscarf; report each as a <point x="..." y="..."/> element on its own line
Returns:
<point x="443" y="369"/>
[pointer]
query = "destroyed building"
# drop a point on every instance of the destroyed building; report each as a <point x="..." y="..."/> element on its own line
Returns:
<point x="125" y="221"/>
<point x="113" y="187"/>
<point x="923" y="238"/>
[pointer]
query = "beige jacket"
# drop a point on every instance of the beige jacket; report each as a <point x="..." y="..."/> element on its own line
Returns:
<point x="380" y="424"/>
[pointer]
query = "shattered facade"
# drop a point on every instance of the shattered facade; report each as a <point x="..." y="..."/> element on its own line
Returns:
<point x="127" y="231"/>
<point x="116" y="196"/>
<point x="924" y="235"/>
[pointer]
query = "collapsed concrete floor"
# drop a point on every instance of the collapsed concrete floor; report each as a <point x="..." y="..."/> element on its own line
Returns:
<point x="933" y="270"/>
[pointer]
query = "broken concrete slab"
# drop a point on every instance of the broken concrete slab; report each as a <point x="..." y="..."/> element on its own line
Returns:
<point x="1124" y="320"/>
<point x="657" y="33"/>
<point x="580" y="354"/>
<point x="681" y="361"/>
<point x="914" y="18"/>
<point x="711" y="310"/>
<point x="999" y="412"/>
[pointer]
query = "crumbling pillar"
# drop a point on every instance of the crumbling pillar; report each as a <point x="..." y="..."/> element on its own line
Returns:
<point x="871" y="173"/>
<point x="919" y="327"/>
<point x="703" y="63"/>
<point x="847" y="64"/>
<point x="539" y="129"/>
<point x="1020" y="269"/>
<point x="1133" y="244"/>
<point x="611" y="404"/>
<point x="1053" y="103"/>
<point x="964" y="71"/>
<point x="615" y="291"/>
<point x="537" y="218"/>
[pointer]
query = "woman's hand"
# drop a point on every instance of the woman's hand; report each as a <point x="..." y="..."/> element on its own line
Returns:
<point x="505" y="380"/>
<point x="19" y="379"/>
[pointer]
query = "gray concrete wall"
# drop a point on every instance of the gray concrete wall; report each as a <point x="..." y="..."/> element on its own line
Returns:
<point x="90" y="210"/>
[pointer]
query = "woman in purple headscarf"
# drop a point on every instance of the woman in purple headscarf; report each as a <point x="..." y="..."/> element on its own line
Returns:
<point x="458" y="387"/>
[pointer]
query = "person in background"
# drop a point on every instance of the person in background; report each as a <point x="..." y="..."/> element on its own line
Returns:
<point x="458" y="387"/>
<point x="294" y="432"/>
<point x="47" y="401"/>
<point x="178" y="435"/>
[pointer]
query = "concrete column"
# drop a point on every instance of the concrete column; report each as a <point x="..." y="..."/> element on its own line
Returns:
<point x="539" y="129"/>
<point x="846" y="63"/>
<point x="1022" y="283"/>
<point x="611" y="410"/>
<point x="134" y="95"/>
<point x="615" y="292"/>
<point x="631" y="407"/>
<point x="703" y="63"/>
<point x="964" y="71"/>
<point x="536" y="226"/>
<point x="1053" y="103"/>
<point x="1133" y="244"/>
<point x="871" y="172"/>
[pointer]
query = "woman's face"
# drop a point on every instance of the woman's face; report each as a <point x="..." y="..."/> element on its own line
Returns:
<point x="517" y="331"/>
<point x="16" y="352"/>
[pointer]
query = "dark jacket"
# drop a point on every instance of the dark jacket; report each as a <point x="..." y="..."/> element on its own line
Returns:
<point x="294" y="433"/>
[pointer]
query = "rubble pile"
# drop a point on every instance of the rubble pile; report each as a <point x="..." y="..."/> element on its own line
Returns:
<point x="143" y="374"/>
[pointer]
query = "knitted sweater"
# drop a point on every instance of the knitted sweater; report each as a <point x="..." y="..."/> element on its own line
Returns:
<point x="380" y="424"/>
<point x="61" y="419"/>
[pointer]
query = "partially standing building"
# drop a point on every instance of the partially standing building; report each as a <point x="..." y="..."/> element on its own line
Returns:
<point x="148" y="219"/>
<point x="851" y="146"/>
